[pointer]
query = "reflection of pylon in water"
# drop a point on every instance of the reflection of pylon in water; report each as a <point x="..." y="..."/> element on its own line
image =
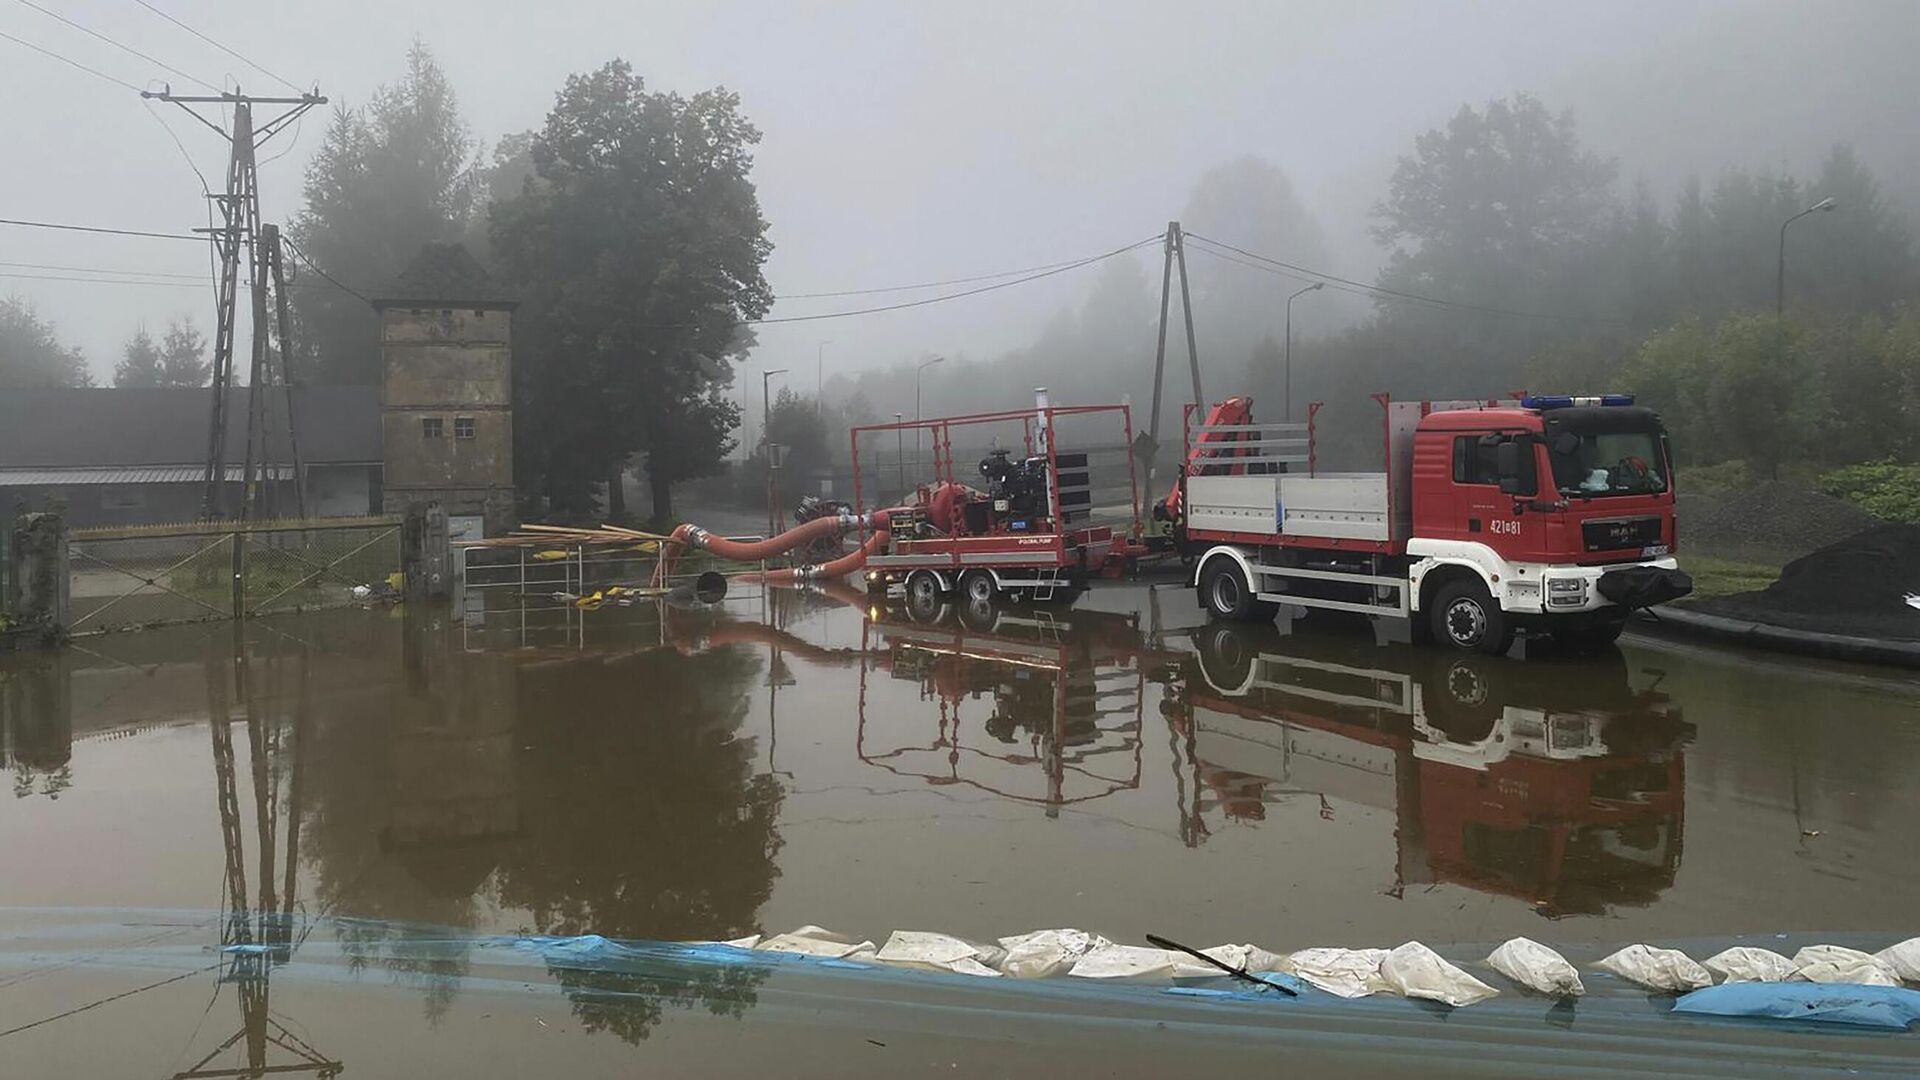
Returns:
<point x="255" y="940"/>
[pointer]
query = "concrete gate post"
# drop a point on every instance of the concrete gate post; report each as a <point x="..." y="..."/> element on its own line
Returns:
<point x="426" y="555"/>
<point x="39" y="581"/>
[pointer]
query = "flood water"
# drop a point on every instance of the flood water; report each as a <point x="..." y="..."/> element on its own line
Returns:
<point x="388" y="800"/>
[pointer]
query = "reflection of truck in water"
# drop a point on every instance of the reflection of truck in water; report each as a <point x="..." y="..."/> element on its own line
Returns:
<point x="1558" y="784"/>
<point x="1546" y="513"/>
<point x="1014" y="688"/>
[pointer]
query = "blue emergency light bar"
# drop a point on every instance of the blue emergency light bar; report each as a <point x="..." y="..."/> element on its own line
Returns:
<point x="1567" y="401"/>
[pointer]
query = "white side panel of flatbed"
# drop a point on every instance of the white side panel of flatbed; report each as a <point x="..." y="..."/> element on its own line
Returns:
<point x="1247" y="504"/>
<point x="1346" y="506"/>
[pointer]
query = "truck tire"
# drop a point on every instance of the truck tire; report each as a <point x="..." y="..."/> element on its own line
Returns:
<point x="923" y="589"/>
<point x="1227" y="594"/>
<point x="1466" y="618"/>
<point x="978" y="587"/>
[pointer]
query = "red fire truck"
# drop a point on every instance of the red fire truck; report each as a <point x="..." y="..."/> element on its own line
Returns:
<point x="1543" y="513"/>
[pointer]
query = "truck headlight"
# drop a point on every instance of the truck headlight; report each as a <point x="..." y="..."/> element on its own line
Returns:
<point x="1566" y="592"/>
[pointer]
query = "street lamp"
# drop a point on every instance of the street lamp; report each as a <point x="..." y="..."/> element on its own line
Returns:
<point x="766" y="439"/>
<point x="917" y="372"/>
<point x="900" y="453"/>
<point x="1780" y="281"/>
<point x="819" y="376"/>
<point x="1289" y="346"/>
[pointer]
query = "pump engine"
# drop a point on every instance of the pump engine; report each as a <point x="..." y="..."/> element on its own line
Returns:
<point x="1018" y="488"/>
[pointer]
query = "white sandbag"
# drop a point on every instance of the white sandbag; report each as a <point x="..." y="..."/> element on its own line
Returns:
<point x="1903" y="960"/>
<point x="1044" y="953"/>
<point x="935" y="952"/>
<point x="1350" y="973"/>
<point x="1124" y="962"/>
<point x="1538" y="968"/>
<point x="1743" y="963"/>
<point x="1418" y="972"/>
<point x="1657" y="969"/>
<point x="747" y="942"/>
<point x="1839" y="964"/>
<point x="814" y="941"/>
<point x="1251" y="959"/>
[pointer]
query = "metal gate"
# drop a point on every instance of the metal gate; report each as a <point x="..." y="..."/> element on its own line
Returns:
<point x="126" y="578"/>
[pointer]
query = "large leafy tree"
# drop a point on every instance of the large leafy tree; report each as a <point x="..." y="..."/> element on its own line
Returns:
<point x="1500" y="196"/>
<point x="637" y="246"/>
<point x="389" y="178"/>
<point x="31" y="356"/>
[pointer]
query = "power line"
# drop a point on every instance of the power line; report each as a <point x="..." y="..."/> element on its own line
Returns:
<point x="1058" y="268"/>
<point x="926" y="284"/>
<point x="123" y="48"/>
<point x="217" y="45"/>
<point x="107" y="280"/>
<point x="288" y="240"/>
<point x="96" y="72"/>
<point x="1396" y="293"/>
<point x="98" y="229"/>
<point x="103" y="270"/>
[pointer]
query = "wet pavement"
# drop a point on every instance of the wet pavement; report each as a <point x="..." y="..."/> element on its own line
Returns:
<point x="431" y="790"/>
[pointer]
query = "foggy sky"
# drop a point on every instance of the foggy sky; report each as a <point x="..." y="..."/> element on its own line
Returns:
<point x="914" y="141"/>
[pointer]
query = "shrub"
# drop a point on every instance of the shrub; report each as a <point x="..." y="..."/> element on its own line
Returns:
<point x="1886" y="489"/>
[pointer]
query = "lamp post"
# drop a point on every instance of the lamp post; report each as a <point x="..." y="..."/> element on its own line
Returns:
<point x="900" y="452"/>
<point x="819" y="377"/>
<point x="917" y="372"/>
<point x="1780" y="281"/>
<point x="766" y="439"/>
<point x="1288" y="349"/>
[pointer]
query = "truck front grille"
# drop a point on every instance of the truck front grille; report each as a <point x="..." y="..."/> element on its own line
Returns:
<point x="1619" y="534"/>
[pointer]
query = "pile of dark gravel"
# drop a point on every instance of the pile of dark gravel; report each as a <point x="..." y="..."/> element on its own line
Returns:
<point x="1856" y="586"/>
<point x="1767" y="522"/>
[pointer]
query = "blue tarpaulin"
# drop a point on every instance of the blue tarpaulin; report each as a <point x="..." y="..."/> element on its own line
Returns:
<point x="1831" y="1003"/>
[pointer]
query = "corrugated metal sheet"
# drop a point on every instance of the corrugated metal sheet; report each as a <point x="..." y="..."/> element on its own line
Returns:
<point x="142" y="474"/>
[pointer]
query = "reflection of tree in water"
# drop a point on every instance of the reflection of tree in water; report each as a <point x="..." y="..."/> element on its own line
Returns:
<point x="643" y="819"/>
<point x="630" y="1003"/>
<point x="413" y="789"/>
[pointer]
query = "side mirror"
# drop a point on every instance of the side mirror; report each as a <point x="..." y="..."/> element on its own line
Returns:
<point x="1508" y="461"/>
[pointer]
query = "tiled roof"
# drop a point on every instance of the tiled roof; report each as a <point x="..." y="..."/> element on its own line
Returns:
<point x="127" y="428"/>
<point x="443" y="274"/>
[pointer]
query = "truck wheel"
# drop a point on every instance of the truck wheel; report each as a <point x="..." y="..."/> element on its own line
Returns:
<point x="979" y="588"/>
<point x="1466" y="618"/>
<point x="1227" y="594"/>
<point x="923" y="589"/>
<point x="1590" y="637"/>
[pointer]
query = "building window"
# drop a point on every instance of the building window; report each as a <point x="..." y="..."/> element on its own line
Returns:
<point x="463" y="427"/>
<point x="430" y="427"/>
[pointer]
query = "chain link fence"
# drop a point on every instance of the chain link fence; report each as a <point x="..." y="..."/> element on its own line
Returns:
<point x="130" y="578"/>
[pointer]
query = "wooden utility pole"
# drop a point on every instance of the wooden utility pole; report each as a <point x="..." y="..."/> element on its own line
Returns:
<point x="1174" y="250"/>
<point x="240" y="212"/>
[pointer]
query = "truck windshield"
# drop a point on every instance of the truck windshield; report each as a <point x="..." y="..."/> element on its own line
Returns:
<point x="1607" y="463"/>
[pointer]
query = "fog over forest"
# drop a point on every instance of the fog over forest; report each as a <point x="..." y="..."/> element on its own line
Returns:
<point x="1564" y="187"/>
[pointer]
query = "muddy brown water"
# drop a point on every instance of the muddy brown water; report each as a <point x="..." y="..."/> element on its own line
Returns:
<point x="433" y="787"/>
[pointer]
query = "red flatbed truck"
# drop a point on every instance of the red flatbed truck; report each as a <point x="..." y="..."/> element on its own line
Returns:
<point x="1550" y="514"/>
<point x="1027" y="536"/>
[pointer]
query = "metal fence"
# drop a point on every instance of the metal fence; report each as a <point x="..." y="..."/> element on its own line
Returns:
<point x="125" y="578"/>
<point x="547" y="594"/>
